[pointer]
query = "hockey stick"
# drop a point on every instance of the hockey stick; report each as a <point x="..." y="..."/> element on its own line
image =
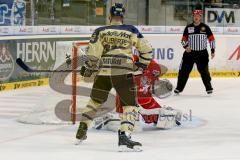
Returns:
<point x="28" y="69"/>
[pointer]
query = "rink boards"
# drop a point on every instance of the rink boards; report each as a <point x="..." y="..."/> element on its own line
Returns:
<point x="48" y="52"/>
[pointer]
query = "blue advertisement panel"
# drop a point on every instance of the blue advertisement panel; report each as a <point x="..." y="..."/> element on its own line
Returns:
<point x="5" y="12"/>
<point x="12" y="12"/>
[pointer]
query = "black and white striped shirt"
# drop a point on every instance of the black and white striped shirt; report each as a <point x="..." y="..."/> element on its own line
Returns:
<point x="197" y="37"/>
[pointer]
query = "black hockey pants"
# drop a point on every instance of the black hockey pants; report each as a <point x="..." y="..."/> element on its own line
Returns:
<point x="201" y="59"/>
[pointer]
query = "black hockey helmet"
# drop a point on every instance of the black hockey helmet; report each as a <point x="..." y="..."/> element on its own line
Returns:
<point x="117" y="10"/>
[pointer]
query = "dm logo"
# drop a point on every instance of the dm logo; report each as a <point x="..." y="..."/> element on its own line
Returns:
<point x="6" y="63"/>
<point x="221" y="16"/>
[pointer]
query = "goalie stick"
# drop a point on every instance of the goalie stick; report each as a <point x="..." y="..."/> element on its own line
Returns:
<point x="101" y="125"/>
<point x="29" y="69"/>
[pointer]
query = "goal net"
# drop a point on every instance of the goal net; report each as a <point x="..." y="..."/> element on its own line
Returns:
<point x="66" y="93"/>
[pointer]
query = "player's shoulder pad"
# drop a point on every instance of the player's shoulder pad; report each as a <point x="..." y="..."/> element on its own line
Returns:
<point x="95" y="34"/>
<point x="135" y="30"/>
<point x="129" y="28"/>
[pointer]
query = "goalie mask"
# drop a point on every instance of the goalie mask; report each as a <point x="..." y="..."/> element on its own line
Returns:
<point x="153" y="71"/>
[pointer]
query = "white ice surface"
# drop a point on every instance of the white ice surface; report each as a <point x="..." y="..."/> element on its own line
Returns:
<point x="214" y="133"/>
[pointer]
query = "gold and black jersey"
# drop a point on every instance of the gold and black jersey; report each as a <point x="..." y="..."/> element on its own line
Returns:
<point x="113" y="45"/>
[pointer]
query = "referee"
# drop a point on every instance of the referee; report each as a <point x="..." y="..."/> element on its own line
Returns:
<point x="194" y="41"/>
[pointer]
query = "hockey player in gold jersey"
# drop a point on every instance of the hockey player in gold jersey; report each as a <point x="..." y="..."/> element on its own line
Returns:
<point x="110" y="51"/>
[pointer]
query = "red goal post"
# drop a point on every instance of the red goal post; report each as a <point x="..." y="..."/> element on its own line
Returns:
<point x="77" y="46"/>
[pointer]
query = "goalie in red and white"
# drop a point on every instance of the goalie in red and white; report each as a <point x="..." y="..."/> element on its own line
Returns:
<point x="150" y="111"/>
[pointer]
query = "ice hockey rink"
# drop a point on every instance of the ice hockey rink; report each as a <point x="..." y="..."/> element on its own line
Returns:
<point x="212" y="134"/>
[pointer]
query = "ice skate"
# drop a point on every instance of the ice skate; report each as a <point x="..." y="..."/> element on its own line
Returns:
<point x="81" y="133"/>
<point x="210" y="93"/>
<point x="176" y="92"/>
<point x="169" y="118"/>
<point x="125" y="143"/>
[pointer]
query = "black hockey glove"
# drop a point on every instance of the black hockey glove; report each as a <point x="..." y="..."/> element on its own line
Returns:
<point x="86" y="72"/>
<point x="68" y="59"/>
<point x="88" y="69"/>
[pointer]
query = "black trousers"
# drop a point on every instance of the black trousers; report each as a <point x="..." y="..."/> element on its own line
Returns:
<point x="201" y="58"/>
<point x="123" y="84"/>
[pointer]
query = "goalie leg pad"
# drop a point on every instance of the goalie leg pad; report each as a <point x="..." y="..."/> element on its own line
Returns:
<point x="168" y="117"/>
<point x="112" y="121"/>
